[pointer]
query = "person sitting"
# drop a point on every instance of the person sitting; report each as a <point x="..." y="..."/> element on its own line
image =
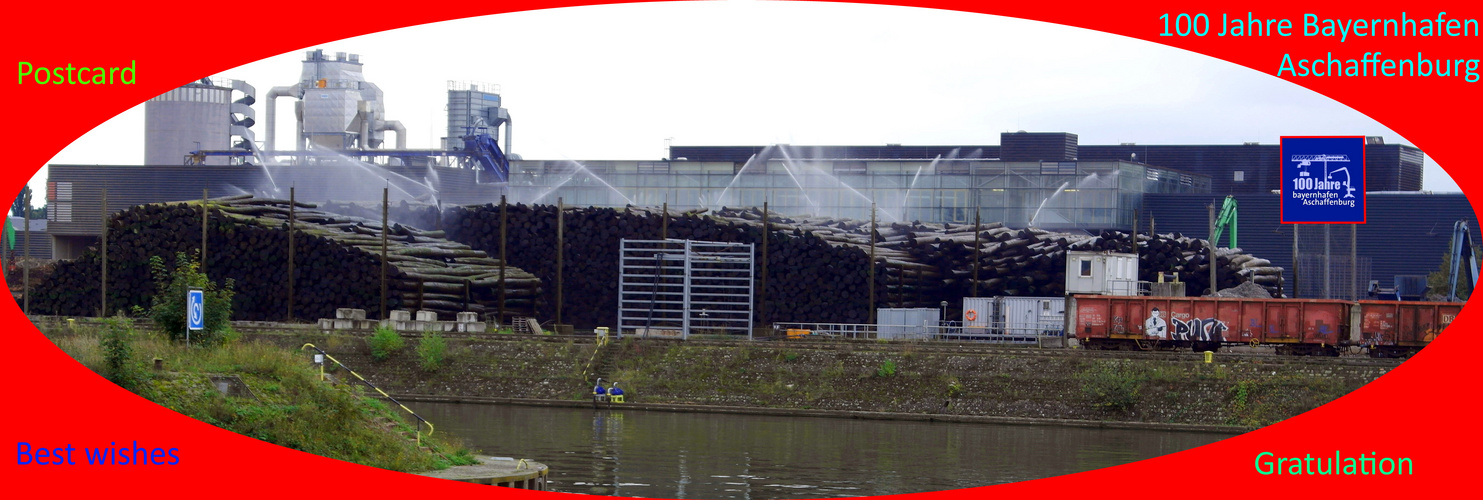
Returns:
<point x="617" y="393"/>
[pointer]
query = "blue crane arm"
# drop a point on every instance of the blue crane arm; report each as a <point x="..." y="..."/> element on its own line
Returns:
<point x="1462" y="249"/>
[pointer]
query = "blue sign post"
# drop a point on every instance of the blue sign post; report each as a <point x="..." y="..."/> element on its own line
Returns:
<point x="1323" y="180"/>
<point x="195" y="313"/>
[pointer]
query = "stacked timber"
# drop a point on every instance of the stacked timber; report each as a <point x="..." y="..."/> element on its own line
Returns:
<point x="1025" y="262"/>
<point x="807" y="279"/>
<point x="337" y="263"/>
<point x="817" y="268"/>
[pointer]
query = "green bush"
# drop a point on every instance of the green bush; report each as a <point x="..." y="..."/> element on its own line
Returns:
<point x="1112" y="387"/>
<point x="887" y="369"/>
<point x="385" y="342"/>
<point x="432" y="349"/>
<point x="169" y="302"/>
<point x="118" y="352"/>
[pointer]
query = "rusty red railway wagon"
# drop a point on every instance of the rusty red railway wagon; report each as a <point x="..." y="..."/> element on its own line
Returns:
<point x="1295" y="326"/>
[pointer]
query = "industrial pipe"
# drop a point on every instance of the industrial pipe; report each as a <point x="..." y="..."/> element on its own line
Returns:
<point x="273" y="94"/>
<point x="395" y="126"/>
<point x="365" y="127"/>
<point x="509" y="142"/>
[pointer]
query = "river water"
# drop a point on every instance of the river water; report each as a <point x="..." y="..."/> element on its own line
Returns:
<point x="708" y="455"/>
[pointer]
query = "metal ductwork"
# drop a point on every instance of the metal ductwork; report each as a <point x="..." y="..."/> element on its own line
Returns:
<point x="290" y="91"/>
<point x="394" y="126"/>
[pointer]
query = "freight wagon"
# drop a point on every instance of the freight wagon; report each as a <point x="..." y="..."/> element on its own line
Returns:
<point x="1294" y="326"/>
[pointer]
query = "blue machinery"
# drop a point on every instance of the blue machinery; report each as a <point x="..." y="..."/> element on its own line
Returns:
<point x="1462" y="249"/>
<point x="480" y="151"/>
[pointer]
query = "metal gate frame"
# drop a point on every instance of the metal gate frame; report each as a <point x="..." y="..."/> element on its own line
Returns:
<point x="685" y="285"/>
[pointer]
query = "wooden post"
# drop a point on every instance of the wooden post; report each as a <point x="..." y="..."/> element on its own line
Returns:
<point x="1136" y="215"/>
<point x="205" y="214"/>
<point x="420" y="290"/>
<point x="1214" y="287"/>
<point x="977" y="249"/>
<point x="766" y="235"/>
<point x="1328" y="263"/>
<point x="1294" y="293"/>
<point x="103" y="248"/>
<point x="385" y="209"/>
<point x="504" y="223"/>
<point x="1354" y="262"/>
<point x="292" y="220"/>
<point x="26" y="253"/>
<point x="664" y="222"/>
<point x="560" y="251"/>
<point x="870" y="267"/>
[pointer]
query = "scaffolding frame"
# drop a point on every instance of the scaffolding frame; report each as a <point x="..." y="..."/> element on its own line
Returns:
<point x="673" y="288"/>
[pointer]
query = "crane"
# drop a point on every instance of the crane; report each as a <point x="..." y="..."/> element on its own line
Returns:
<point x="1227" y="217"/>
<point x="1462" y="248"/>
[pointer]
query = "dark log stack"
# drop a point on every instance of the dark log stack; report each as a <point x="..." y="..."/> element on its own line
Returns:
<point x="938" y="258"/>
<point x="816" y="266"/>
<point x="337" y="264"/>
<point x="808" y="278"/>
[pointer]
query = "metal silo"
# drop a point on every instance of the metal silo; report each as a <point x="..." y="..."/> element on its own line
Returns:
<point x="476" y="105"/>
<point x="336" y="108"/>
<point x="193" y="117"/>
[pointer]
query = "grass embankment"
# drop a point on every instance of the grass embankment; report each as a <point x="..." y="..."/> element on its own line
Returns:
<point x="286" y="403"/>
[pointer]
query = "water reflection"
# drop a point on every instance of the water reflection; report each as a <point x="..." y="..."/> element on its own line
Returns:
<point x="701" y="455"/>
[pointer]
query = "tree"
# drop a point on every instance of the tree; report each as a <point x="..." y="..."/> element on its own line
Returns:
<point x="19" y="208"/>
<point x="1439" y="282"/>
<point x="169" y="302"/>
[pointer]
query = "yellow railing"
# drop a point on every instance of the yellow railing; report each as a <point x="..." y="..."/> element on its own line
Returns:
<point x="368" y="383"/>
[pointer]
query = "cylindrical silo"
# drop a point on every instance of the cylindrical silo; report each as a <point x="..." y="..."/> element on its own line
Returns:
<point x="193" y="117"/>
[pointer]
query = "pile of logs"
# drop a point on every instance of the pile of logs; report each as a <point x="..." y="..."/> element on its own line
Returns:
<point x="337" y="263"/>
<point x="807" y="277"/>
<point x="817" y="267"/>
<point x="1025" y="262"/>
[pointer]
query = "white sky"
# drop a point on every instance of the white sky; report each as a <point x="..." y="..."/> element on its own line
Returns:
<point x="614" y="82"/>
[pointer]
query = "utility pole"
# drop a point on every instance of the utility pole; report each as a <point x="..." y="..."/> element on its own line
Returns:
<point x="1295" y="260"/>
<point x="1327" y="262"/>
<point x="1213" y="285"/>
<point x="385" y="204"/>
<point x="871" y="265"/>
<point x="560" y="251"/>
<point x="766" y="235"/>
<point x="103" y="247"/>
<point x="292" y="220"/>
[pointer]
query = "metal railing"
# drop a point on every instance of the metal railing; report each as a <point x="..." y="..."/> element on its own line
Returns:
<point x="947" y="331"/>
<point x="420" y="420"/>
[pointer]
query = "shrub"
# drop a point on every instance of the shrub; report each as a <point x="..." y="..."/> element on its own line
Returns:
<point x="118" y="352"/>
<point x="169" y="302"/>
<point x="1112" y="387"/>
<point x="887" y="369"/>
<point x="385" y="342"/>
<point x="432" y="349"/>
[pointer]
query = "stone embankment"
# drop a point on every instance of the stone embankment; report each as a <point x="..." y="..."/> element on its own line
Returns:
<point x="946" y="381"/>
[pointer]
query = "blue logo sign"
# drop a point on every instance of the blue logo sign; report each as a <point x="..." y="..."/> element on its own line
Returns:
<point x="195" y="310"/>
<point x="1323" y="180"/>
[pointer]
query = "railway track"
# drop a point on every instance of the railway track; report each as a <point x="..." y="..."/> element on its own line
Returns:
<point x="922" y="347"/>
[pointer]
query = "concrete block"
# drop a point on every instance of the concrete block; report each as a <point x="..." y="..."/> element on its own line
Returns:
<point x="401" y="315"/>
<point x="326" y="324"/>
<point x="467" y="317"/>
<point x="425" y="315"/>
<point x="472" y="327"/>
<point x="347" y="313"/>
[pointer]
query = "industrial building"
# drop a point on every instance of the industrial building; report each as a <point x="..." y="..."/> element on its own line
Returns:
<point x="199" y="138"/>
